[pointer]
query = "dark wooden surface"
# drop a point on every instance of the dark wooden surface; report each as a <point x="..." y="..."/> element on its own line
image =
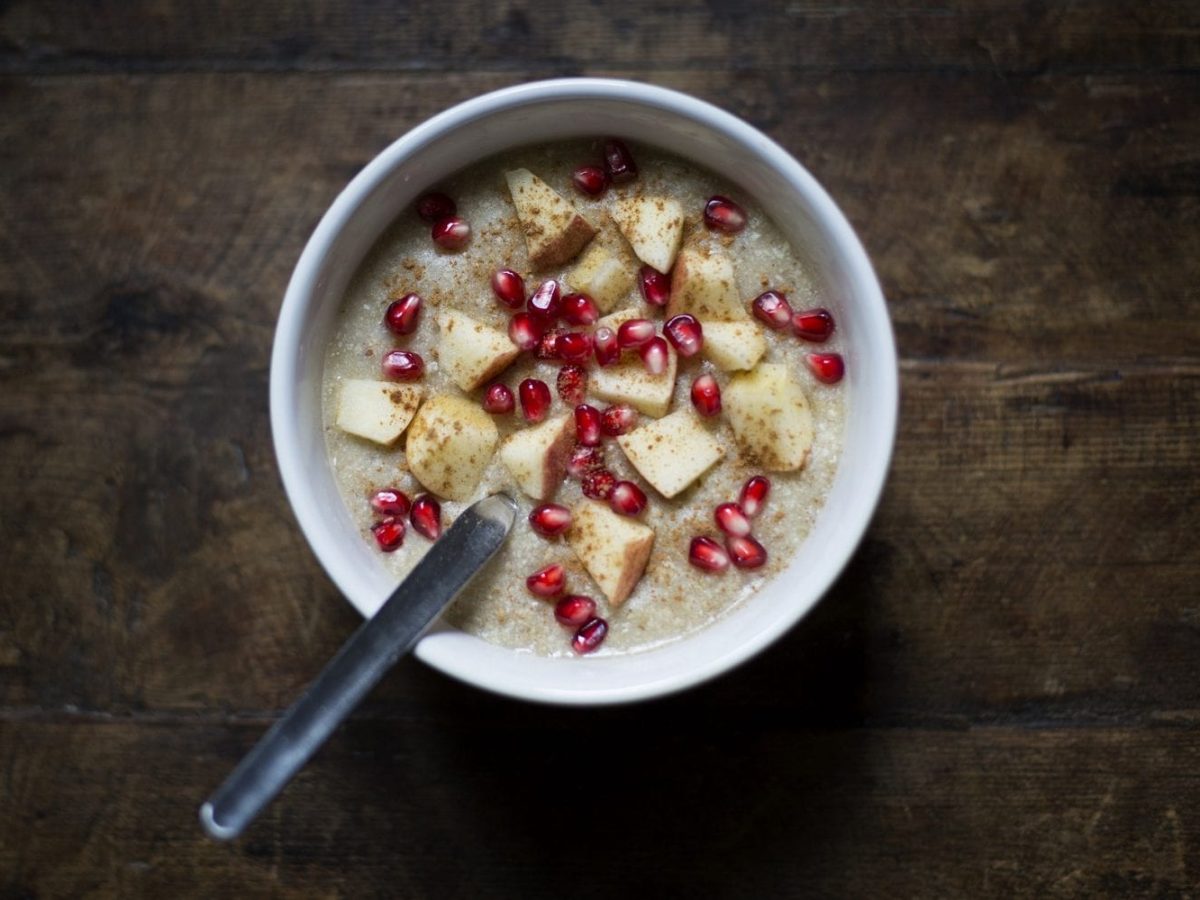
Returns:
<point x="1000" y="696"/>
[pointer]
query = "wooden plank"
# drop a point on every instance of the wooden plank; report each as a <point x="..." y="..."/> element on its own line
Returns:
<point x="567" y="38"/>
<point x="108" y="809"/>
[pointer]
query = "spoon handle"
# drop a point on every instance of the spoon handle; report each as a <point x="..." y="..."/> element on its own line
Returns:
<point x="363" y="660"/>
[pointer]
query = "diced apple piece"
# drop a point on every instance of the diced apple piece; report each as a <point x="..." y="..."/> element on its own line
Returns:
<point x="734" y="346"/>
<point x="471" y="352"/>
<point x="653" y="226"/>
<point x="702" y="283"/>
<point x="627" y="380"/>
<point x="614" y="549"/>
<point x="554" y="230"/>
<point x="537" y="456"/>
<point x="672" y="452"/>
<point x="450" y="442"/>
<point x="602" y="276"/>
<point x="770" y="417"/>
<point x="377" y="410"/>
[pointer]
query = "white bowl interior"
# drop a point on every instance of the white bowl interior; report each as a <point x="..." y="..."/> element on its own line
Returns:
<point x="548" y="111"/>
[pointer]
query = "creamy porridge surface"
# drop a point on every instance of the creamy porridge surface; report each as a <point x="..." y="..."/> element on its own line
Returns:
<point x="673" y="598"/>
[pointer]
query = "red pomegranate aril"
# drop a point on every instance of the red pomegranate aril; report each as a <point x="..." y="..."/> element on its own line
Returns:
<point x="745" y="551"/>
<point x="590" y="180"/>
<point x="547" y="347"/>
<point x="574" y="346"/>
<point x="772" y="309"/>
<point x="731" y="519"/>
<point x="509" y="288"/>
<point x="706" y="395"/>
<point x="587" y="425"/>
<point x="403" y="315"/>
<point x="705" y="553"/>
<point x="754" y="495"/>
<point x="524" y="331"/>
<point x="685" y="334"/>
<point x="390" y="502"/>
<point x="618" y="162"/>
<point x="584" y="460"/>
<point x="656" y="287"/>
<point x="574" y="610"/>
<point x="590" y="636"/>
<point x="722" y="214"/>
<point x="813" y="325"/>
<point x="545" y="304"/>
<point x="827" y="367"/>
<point x="572" y="383"/>
<point x="579" y="309"/>
<point x="605" y="346"/>
<point x="550" y="519"/>
<point x="618" y="419"/>
<point x="498" y="399"/>
<point x="535" y="399"/>
<point x="403" y="365"/>
<point x="435" y="206"/>
<point x="627" y="499"/>
<point x="598" y="484"/>
<point x="547" y="582"/>
<point x="426" y="517"/>
<point x="634" y="333"/>
<point x="655" y="355"/>
<point x="451" y="233"/>
<point x="389" y="533"/>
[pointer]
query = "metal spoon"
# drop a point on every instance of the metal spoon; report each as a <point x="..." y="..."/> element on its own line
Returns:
<point x="437" y="579"/>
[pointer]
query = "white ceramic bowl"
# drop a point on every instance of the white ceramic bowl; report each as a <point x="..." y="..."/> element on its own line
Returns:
<point x="548" y="111"/>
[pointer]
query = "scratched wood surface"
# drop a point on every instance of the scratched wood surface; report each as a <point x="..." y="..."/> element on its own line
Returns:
<point x="1000" y="696"/>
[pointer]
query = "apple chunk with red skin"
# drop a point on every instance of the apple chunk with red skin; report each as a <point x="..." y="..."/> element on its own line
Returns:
<point x="770" y="416"/>
<point x="537" y="457"/>
<point x="703" y="284"/>
<point x="554" y="230"/>
<point x="614" y="549"/>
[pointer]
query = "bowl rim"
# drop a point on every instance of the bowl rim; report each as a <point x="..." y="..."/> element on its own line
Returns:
<point x="285" y="375"/>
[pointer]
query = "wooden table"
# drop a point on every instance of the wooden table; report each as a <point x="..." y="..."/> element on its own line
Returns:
<point x="1000" y="696"/>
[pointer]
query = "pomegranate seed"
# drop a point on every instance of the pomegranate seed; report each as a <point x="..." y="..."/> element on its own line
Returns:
<point x="731" y="519"/>
<point x="587" y="425"/>
<point x="544" y="303"/>
<point x="656" y="287"/>
<point x="705" y="553"/>
<point x="590" y="180"/>
<point x="498" y="399"/>
<point x="574" y="610"/>
<point x="572" y="384"/>
<point x="435" y="206"/>
<point x="590" y="635"/>
<point x="509" y="288"/>
<point x="634" y="333"/>
<point x="754" y="495"/>
<point x="828" y="367"/>
<point x="815" y="325"/>
<point x="598" y="484"/>
<point x="579" y="309"/>
<point x="426" y="517"/>
<point x="655" y="356"/>
<point x="618" y="162"/>
<point x="524" y="331"/>
<point x="390" y="502"/>
<point x="547" y="347"/>
<point x="574" y="346"/>
<point x="616" y="420"/>
<point x="584" y="460"/>
<point x="451" y="233"/>
<point x="389" y="533"/>
<point x="535" y="399"/>
<point x="627" y="499"/>
<point x="706" y="395"/>
<point x="772" y="308"/>
<point x="550" y="519"/>
<point x="685" y="334"/>
<point x="745" y="551"/>
<point x="547" y="582"/>
<point x="403" y="365"/>
<point x="722" y="214"/>
<point x="605" y="346"/>
<point x="402" y="315"/>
